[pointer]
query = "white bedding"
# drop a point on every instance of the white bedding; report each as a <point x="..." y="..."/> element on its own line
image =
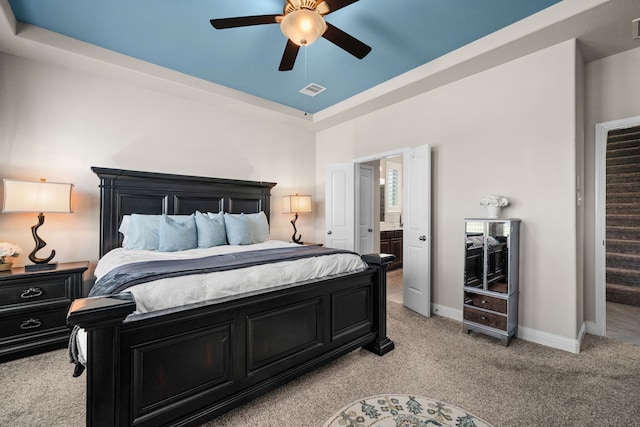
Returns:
<point x="178" y="291"/>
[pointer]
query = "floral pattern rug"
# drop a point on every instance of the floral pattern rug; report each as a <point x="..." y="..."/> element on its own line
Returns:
<point x="403" y="411"/>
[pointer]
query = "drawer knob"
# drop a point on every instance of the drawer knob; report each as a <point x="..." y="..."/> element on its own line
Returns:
<point x="484" y="301"/>
<point x="31" y="293"/>
<point x="483" y="317"/>
<point x="31" y="324"/>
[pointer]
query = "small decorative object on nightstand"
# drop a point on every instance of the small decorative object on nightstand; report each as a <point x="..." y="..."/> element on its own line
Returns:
<point x="491" y="277"/>
<point x="8" y="251"/>
<point x="33" y="308"/>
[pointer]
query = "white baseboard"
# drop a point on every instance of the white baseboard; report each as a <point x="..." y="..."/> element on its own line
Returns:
<point x="524" y="333"/>
<point x="594" y="328"/>
<point x="449" y="312"/>
<point x="553" y="340"/>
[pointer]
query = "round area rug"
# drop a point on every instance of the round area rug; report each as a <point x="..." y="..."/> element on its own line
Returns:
<point x="403" y="411"/>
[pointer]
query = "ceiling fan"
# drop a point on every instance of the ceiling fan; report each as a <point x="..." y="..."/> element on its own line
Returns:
<point x="302" y="22"/>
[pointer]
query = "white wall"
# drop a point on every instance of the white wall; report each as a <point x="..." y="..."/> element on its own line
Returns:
<point x="579" y="192"/>
<point x="509" y="130"/>
<point x="56" y="123"/>
<point x="612" y="92"/>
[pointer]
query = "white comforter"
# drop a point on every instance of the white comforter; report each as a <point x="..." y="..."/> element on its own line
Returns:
<point x="178" y="291"/>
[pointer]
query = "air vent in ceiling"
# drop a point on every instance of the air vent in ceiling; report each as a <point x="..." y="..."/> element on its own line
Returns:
<point x="312" y="89"/>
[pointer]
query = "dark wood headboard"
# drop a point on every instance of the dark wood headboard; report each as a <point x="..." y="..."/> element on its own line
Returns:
<point x="125" y="192"/>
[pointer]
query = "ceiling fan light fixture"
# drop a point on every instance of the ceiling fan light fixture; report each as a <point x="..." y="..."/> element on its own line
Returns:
<point x="303" y="26"/>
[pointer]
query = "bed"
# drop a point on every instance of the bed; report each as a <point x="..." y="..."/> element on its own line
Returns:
<point x="186" y="365"/>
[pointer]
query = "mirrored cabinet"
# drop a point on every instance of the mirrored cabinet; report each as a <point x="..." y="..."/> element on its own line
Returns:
<point x="491" y="277"/>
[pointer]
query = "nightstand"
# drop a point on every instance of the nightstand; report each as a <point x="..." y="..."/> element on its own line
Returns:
<point x="33" y="308"/>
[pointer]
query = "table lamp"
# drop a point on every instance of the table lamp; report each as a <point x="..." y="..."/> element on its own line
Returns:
<point x="40" y="197"/>
<point x="296" y="204"/>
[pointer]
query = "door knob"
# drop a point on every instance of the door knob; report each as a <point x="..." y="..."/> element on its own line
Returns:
<point x="422" y="238"/>
<point x="329" y="232"/>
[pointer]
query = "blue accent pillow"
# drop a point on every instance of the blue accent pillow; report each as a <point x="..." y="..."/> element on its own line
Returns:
<point x="143" y="232"/>
<point x="238" y="229"/>
<point x="211" y="231"/>
<point x="177" y="234"/>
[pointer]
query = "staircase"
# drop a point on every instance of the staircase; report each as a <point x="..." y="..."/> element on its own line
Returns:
<point x="623" y="216"/>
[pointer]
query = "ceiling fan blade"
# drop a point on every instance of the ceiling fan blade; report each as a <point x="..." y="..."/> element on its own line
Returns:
<point x="243" y="21"/>
<point x="338" y="4"/>
<point x="347" y="42"/>
<point x="289" y="56"/>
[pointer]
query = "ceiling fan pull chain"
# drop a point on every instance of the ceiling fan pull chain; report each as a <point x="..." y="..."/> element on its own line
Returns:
<point x="306" y="81"/>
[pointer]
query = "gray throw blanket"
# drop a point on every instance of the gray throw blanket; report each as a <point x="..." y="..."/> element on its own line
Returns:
<point x="125" y="276"/>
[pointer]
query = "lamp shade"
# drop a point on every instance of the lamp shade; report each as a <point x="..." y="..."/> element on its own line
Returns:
<point x="296" y="204"/>
<point x="33" y="196"/>
<point x="303" y="26"/>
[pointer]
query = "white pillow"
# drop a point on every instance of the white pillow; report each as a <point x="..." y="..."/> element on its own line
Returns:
<point x="124" y="229"/>
<point x="259" y="226"/>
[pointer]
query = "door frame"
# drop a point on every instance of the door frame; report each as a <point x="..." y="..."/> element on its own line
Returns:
<point x="601" y="133"/>
<point x="405" y="152"/>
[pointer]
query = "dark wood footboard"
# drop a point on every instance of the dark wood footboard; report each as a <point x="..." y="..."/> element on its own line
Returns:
<point x="183" y="367"/>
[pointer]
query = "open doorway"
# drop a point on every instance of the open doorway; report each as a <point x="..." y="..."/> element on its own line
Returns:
<point x="344" y="210"/>
<point x="379" y="214"/>
<point x="391" y="225"/>
<point x="618" y="225"/>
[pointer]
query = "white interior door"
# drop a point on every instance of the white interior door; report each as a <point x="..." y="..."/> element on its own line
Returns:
<point x="416" y="257"/>
<point x="339" y="207"/>
<point x="364" y="209"/>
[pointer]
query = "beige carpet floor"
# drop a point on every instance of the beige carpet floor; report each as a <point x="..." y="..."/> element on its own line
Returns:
<point x="524" y="384"/>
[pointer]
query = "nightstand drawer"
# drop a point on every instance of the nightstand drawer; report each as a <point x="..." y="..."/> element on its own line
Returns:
<point x="486" y="302"/>
<point x="33" y="322"/>
<point x="34" y="305"/>
<point x="31" y="292"/>
<point x="485" y="318"/>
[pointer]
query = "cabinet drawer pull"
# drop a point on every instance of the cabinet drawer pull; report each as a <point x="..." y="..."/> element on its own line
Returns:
<point x="483" y="317"/>
<point x="31" y="293"/>
<point x="31" y="324"/>
<point x="483" y="301"/>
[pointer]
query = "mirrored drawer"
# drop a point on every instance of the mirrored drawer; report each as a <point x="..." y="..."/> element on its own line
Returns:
<point x="486" y="302"/>
<point x="485" y="318"/>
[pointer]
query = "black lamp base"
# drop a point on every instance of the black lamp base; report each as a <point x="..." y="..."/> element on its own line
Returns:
<point x="41" y="267"/>
<point x="40" y="264"/>
<point x="295" y="230"/>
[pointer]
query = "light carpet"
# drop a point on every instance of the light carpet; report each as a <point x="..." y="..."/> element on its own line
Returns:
<point x="403" y="411"/>
<point x="524" y="384"/>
